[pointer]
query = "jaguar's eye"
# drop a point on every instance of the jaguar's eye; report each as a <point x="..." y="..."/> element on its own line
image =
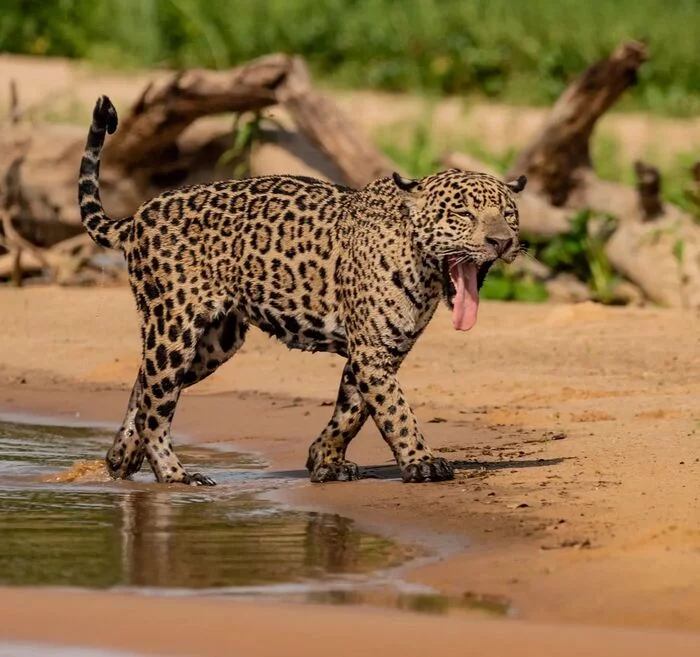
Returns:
<point x="461" y="212"/>
<point x="508" y="214"/>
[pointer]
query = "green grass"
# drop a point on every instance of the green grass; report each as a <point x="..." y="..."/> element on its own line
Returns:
<point x="516" y="51"/>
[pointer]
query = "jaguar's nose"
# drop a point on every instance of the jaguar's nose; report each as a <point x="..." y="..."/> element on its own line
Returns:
<point x="500" y="244"/>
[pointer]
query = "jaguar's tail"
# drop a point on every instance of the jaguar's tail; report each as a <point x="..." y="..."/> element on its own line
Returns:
<point x="102" y="229"/>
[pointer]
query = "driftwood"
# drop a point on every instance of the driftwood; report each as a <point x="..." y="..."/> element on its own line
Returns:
<point x="649" y="189"/>
<point x="148" y="135"/>
<point x="67" y="263"/>
<point x="321" y="120"/>
<point x="557" y="162"/>
<point x="661" y="257"/>
<point x="162" y="144"/>
<point x="655" y="245"/>
<point x="12" y="240"/>
<point x="147" y="139"/>
<point x="560" y="152"/>
<point x="173" y="135"/>
<point x="153" y="150"/>
<point x="62" y="262"/>
<point x="16" y="245"/>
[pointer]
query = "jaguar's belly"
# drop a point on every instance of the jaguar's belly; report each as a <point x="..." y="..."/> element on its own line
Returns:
<point x="304" y="331"/>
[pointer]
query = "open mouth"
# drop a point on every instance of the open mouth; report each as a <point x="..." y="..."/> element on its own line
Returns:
<point x="462" y="281"/>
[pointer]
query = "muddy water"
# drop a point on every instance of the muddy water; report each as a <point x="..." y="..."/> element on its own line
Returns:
<point x="64" y="523"/>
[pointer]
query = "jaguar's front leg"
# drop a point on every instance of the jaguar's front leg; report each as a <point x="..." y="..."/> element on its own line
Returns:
<point x="375" y="372"/>
<point x="327" y="460"/>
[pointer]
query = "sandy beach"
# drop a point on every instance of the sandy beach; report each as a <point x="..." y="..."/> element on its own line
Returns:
<point x="573" y="428"/>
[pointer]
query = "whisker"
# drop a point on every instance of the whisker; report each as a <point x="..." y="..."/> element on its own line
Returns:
<point x="462" y="259"/>
<point x="527" y="251"/>
<point x="451" y="253"/>
<point x="527" y="254"/>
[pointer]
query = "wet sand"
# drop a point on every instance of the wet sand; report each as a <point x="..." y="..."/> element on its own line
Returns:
<point x="220" y="628"/>
<point x="574" y="429"/>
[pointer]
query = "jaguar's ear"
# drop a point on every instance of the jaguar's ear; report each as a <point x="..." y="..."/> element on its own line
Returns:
<point x="404" y="184"/>
<point x="518" y="185"/>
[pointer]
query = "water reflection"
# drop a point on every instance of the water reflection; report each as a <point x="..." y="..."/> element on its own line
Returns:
<point x="110" y="534"/>
<point x="151" y="539"/>
<point x="148" y="537"/>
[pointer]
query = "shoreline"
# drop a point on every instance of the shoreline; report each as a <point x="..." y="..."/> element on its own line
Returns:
<point x="454" y="549"/>
<point x="573" y="430"/>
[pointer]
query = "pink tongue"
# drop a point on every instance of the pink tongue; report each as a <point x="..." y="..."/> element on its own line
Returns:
<point x="466" y="302"/>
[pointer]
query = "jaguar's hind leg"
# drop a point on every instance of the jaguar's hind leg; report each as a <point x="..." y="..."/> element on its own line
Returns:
<point x="218" y="344"/>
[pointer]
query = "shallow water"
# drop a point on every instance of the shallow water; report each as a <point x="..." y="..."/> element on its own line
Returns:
<point x="96" y="533"/>
<point x="64" y="522"/>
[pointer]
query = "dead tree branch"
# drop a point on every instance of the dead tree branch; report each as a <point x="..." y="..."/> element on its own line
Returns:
<point x="649" y="189"/>
<point x="149" y="132"/>
<point x="560" y="151"/>
<point x="329" y="128"/>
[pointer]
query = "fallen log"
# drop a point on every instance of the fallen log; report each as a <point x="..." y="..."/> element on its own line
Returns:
<point x="655" y="245"/>
<point x="148" y="135"/>
<point x="12" y="240"/>
<point x="163" y="141"/>
<point x="661" y="257"/>
<point x="321" y="120"/>
<point x="47" y="199"/>
<point x="287" y="151"/>
<point x="660" y="250"/>
<point x="557" y="162"/>
<point x="560" y="152"/>
<point x="64" y="263"/>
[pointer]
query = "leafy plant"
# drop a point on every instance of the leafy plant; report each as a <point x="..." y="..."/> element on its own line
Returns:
<point x="503" y="285"/>
<point x="247" y="130"/>
<point x="679" y="250"/>
<point x="581" y="251"/>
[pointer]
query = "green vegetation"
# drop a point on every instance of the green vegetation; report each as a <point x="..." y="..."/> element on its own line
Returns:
<point x="247" y="130"/>
<point x="503" y="284"/>
<point x="579" y="252"/>
<point x="517" y="51"/>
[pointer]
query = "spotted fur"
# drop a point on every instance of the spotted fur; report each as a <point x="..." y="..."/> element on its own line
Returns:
<point x="319" y="266"/>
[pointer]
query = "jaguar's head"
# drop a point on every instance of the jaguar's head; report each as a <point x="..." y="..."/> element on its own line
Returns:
<point x="463" y="221"/>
